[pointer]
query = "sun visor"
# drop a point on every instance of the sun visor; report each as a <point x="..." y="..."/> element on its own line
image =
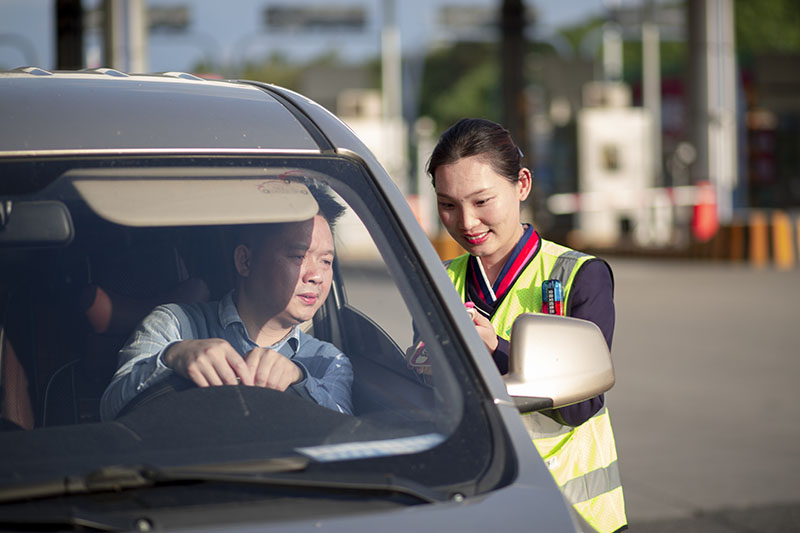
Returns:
<point x="192" y="196"/>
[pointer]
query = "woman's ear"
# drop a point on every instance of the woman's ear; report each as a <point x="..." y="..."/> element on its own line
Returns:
<point x="524" y="183"/>
<point x="242" y="257"/>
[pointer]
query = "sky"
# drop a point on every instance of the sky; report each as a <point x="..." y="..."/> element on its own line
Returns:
<point x="226" y="31"/>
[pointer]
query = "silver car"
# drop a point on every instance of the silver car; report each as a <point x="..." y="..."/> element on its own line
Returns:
<point x="120" y="193"/>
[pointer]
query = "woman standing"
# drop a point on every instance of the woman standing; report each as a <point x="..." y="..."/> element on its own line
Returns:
<point x="480" y="184"/>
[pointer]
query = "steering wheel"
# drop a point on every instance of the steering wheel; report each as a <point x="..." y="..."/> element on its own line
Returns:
<point x="169" y="385"/>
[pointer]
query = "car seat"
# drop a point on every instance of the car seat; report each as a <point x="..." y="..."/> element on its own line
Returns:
<point x="17" y="410"/>
<point x="128" y="271"/>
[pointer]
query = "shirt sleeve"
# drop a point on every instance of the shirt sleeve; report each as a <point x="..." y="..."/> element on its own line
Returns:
<point x="592" y="299"/>
<point x="328" y="379"/>
<point x="500" y="355"/>
<point x="140" y="364"/>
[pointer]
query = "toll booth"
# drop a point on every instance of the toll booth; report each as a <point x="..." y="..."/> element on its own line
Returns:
<point x="614" y="167"/>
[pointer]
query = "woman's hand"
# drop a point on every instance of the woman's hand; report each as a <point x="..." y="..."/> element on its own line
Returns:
<point x="484" y="328"/>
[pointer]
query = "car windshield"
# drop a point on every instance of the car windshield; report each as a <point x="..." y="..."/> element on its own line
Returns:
<point x="91" y="245"/>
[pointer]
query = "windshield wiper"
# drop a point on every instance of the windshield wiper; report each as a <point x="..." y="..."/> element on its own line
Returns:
<point x="361" y="482"/>
<point x="271" y="472"/>
<point x="117" y="477"/>
<point x="72" y="515"/>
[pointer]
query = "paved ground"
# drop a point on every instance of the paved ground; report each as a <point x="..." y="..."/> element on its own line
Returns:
<point x="766" y="519"/>
<point x="706" y="409"/>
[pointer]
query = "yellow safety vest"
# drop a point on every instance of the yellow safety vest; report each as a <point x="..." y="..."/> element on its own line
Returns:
<point x="583" y="459"/>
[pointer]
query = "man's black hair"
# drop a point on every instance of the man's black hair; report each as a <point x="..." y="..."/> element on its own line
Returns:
<point x="328" y="207"/>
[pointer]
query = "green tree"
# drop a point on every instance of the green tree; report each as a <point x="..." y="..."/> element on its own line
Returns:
<point x="771" y="26"/>
<point x="767" y="26"/>
<point x="275" y="68"/>
<point x="460" y="80"/>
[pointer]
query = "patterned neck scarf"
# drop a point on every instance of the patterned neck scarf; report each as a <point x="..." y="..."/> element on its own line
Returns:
<point x="487" y="297"/>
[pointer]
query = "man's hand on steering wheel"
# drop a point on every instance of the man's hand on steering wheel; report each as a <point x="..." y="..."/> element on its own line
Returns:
<point x="208" y="362"/>
<point x="272" y="369"/>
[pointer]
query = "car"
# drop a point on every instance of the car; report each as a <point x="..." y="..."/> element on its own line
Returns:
<point x="119" y="193"/>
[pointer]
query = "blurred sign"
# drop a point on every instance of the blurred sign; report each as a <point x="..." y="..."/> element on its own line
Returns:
<point x="460" y="17"/>
<point x="289" y="17"/>
<point x="670" y="19"/>
<point x="468" y="17"/>
<point x="173" y="19"/>
<point x="458" y="22"/>
<point x="168" y="18"/>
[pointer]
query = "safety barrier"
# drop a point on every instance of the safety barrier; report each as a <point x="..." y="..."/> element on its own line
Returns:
<point x="446" y="247"/>
<point x="763" y="238"/>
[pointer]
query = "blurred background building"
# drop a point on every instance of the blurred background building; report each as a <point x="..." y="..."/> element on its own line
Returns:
<point x="649" y="125"/>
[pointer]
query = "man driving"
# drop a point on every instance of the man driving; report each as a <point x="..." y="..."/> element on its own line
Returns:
<point x="252" y="335"/>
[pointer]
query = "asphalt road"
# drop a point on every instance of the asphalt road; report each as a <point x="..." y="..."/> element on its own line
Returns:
<point x="706" y="409"/>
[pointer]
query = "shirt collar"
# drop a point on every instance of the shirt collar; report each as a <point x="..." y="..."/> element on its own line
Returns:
<point x="228" y="315"/>
<point x="289" y="344"/>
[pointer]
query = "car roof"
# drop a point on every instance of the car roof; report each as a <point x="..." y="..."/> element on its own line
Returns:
<point x="105" y="109"/>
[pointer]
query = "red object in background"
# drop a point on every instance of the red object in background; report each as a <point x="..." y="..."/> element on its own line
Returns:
<point x="704" y="218"/>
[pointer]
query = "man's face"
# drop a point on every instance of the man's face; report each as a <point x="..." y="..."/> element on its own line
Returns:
<point x="290" y="273"/>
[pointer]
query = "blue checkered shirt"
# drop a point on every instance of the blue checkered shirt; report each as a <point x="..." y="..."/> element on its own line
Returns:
<point x="327" y="372"/>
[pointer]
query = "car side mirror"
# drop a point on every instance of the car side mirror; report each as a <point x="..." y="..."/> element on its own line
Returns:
<point x="556" y="361"/>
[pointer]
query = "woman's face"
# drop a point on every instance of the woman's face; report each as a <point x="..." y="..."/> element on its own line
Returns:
<point x="480" y="208"/>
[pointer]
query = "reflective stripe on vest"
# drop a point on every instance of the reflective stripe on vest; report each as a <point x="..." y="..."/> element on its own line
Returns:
<point x="599" y="463"/>
<point x="582" y="460"/>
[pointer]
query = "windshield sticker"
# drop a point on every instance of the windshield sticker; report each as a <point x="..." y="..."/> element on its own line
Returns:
<point x="273" y="186"/>
<point x="374" y="448"/>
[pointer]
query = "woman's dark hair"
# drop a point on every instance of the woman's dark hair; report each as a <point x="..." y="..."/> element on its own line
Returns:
<point x="477" y="137"/>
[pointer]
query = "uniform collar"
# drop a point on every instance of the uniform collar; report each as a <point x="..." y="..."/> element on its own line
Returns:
<point x="485" y="296"/>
